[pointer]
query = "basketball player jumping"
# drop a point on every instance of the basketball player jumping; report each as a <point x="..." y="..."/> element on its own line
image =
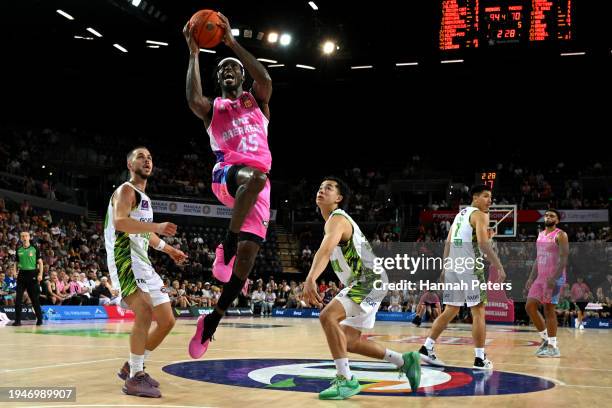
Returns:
<point x="237" y="124"/>
<point x="546" y="282"/>
<point x="129" y="230"/>
<point x="468" y="238"/>
<point x="355" y="307"/>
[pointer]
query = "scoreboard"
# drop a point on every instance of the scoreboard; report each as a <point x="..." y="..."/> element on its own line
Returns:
<point x="488" y="178"/>
<point x="486" y="23"/>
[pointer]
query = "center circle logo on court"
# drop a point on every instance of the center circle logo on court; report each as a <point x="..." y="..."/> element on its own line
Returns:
<point x="376" y="378"/>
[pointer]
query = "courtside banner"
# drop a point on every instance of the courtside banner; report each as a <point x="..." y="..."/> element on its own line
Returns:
<point x="382" y="316"/>
<point x="74" y="312"/>
<point x="27" y="313"/>
<point x="117" y="312"/>
<point x="182" y="312"/>
<point x="196" y="209"/>
<point x="200" y="311"/>
<point x="239" y="312"/>
<point x="296" y="312"/>
<point x="395" y="316"/>
<point x="591" y="323"/>
<point x="232" y="311"/>
<point x="525" y="216"/>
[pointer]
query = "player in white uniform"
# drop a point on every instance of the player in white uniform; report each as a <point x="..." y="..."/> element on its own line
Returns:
<point x="467" y="240"/>
<point x="128" y="231"/>
<point x="355" y="307"/>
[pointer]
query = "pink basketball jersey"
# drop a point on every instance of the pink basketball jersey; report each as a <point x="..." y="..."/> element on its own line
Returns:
<point x="239" y="133"/>
<point x="548" y="254"/>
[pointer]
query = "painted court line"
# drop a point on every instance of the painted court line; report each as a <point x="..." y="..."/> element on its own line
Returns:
<point x="12" y="370"/>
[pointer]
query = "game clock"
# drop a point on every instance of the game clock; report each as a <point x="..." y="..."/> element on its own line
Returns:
<point x="488" y="178"/>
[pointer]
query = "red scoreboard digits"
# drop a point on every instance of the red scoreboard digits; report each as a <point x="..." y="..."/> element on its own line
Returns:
<point x="473" y="23"/>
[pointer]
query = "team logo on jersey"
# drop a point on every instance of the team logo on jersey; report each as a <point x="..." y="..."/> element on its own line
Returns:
<point x="265" y="223"/>
<point x="246" y="102"/>
<point x="376" y="378"/>
<point x="144" y="205"/>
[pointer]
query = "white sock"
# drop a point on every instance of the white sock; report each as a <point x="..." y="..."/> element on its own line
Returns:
<point x="429" y="343"/>
<point x="394" y="357"/>
<point x="552" y="341"/>
<point x="146" y="354"/>
<point x="479" y="352"/>
<point x="136" y="364"/>
<point x="342" y="366"/>
<point x="544" y="334"/>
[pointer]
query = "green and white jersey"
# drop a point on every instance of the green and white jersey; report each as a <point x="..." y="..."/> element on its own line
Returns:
<point x="353" y="262"/>
<point x="463" y="244"/>
<point x="127" y="254"/>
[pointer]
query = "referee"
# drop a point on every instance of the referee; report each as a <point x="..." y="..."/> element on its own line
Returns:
<point x="30" y="274"/>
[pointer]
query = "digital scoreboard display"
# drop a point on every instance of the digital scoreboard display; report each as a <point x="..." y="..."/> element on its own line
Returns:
<point x="488" y="178"/>
<point x="485" y="23"/>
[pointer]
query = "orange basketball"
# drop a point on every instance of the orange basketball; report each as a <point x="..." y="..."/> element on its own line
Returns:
<point x="207" y="33"/>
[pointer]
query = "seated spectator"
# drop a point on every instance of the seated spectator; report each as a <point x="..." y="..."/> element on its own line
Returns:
<point x="56" y="296"/>
<point x="10" y="285"/>
<point x="563" y="310"/>
<point x="604" y="301"/>
<point x="410" y="301"/>
<point x="173" y="294"/>
<point x="196" y="295"/>
<point x="272" y="285"/>
<point x="257" y="299"/>
<point x="45" y="295"/>
<point x="268" y="303"/>
<point x="105" y="293"/>
<point x="330" y="293"/>
<point x="395" y="302"/>
<point x="292" y="296"/>
<point x="580" y="294"/>
<point x="322" y="287"/>
<point x="177" y="295"/>
<point x="86" y="289"/>
<point x="74" y="290"/>
<point x="207" y="295"/>
<point x="299" y="296"/>
<point x="3" y="293"/>
<point x="282" y="294"/>
<point x="216" y="295"/>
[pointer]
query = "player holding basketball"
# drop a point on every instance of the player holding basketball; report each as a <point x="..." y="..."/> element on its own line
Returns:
<point x="355" y="307"/>
<point x="546" y="282"/>
<point x="129" y="230"/>
<point x="237" y="124"/>
<point x="467" y="239"/>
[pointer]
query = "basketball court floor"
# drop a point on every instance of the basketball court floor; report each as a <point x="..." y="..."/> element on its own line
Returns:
<point x="281" y="362"/>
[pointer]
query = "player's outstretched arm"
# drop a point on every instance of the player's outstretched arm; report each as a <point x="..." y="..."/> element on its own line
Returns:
<point x="334" y="228"/>
<point x="198" y="103"/>
<point x="262" y="85"/>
